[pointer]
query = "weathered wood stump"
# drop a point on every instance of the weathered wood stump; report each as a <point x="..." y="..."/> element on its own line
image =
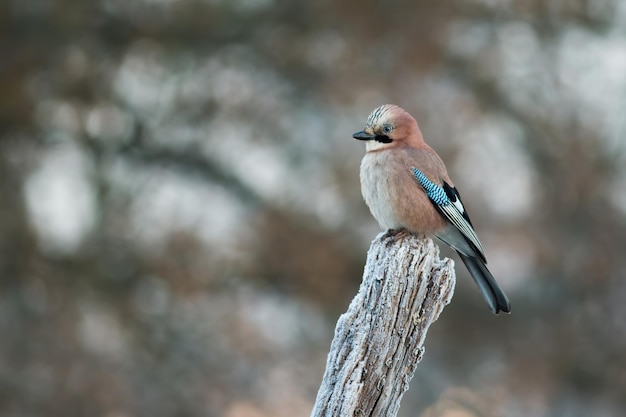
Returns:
<point x="379" y="341"/>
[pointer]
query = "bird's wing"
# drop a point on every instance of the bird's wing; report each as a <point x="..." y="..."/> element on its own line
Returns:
<point x="447" y="201"/>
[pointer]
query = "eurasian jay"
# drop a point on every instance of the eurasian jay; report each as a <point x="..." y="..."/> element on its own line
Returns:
<point x="406" y="186"/>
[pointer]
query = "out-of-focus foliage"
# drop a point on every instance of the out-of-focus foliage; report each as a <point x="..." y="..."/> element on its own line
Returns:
<point x="181" y="220"/>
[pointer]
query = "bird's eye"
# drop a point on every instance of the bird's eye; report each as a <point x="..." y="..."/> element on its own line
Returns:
<point x="387" y="129"/>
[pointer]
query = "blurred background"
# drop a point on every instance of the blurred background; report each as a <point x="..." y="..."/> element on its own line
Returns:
<point x="181" y="221"/>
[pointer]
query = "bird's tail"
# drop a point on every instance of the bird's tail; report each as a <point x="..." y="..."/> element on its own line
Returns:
<point x="492" y="293"/>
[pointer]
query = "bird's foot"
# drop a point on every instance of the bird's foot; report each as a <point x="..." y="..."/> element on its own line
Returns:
<point x="395" y="233"/>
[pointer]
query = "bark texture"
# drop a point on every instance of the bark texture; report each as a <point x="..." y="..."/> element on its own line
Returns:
<point x="379" y="341"/>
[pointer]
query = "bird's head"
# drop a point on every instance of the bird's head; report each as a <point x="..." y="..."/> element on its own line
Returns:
<point x="389" y="126"/>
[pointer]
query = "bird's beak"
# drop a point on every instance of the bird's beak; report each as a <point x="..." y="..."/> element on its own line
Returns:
<point x="363" y="135"/>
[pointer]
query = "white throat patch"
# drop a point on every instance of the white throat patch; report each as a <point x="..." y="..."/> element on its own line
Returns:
<point x="374" y="145"/>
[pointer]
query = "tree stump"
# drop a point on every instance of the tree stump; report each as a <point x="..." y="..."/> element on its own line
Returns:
<point x="379" y="341"/>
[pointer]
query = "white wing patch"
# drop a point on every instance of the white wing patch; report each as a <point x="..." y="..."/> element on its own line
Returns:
<point x="459" y="205"/>
<point x="455" y="215"/>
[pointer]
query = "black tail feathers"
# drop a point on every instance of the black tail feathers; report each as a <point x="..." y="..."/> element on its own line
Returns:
<point x="495" y="297"/>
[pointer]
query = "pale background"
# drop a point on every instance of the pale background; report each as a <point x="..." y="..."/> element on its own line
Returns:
<point x="181" y="221"/>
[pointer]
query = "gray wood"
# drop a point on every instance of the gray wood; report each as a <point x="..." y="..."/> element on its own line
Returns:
<point x="379" y="341"/>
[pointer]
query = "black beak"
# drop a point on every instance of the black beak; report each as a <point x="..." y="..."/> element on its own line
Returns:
<point x="363" y="135"/>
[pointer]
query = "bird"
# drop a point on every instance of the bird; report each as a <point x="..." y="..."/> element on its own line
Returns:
<point x="406" y="186"/>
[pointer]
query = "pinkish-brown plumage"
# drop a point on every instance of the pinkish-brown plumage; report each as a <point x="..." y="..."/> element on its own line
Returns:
<point x="392" y="193"/>
<point x="388" y="185"/>
<point x="426" y="204"/>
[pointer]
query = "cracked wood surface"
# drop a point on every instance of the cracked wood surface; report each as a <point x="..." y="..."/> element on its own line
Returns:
<point x="379" y="341"/>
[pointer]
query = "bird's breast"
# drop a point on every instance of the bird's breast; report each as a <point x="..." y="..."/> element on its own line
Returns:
<point x="393" y="195"/>
<point x="376" y="188"/>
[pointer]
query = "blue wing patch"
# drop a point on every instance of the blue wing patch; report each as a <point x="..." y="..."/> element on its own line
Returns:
<point x="436" y="193"/>
<point x="453" y="210"/>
